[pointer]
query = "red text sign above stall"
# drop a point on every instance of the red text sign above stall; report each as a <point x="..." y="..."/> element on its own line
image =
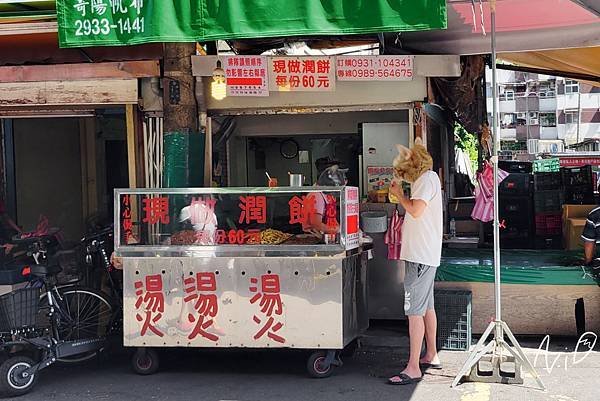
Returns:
<point x="246" y="75"/>
<point x="309" y="74"/>
<point x="374" y="68"/>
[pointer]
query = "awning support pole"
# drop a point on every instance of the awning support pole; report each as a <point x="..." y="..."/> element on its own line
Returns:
<point x="497" y="348"/>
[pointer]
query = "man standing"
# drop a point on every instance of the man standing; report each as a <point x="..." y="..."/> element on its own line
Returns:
<point x="591" y="235"/>
<point x="421" y="252"/>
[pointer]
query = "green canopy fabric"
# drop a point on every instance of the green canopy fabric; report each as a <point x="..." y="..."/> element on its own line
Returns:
<point x="126" y="22"/>
<point x="535" y="267"/>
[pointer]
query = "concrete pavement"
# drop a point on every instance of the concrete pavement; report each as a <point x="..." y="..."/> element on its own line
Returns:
<point x="280" y="376"/>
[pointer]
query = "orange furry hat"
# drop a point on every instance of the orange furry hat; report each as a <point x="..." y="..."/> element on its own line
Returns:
<point x="410" y="164"/>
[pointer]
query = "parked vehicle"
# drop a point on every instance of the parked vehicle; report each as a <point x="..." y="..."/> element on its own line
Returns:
<point x="49" y="321"/>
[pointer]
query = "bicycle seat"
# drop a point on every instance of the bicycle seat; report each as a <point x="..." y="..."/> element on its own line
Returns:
<point x="44" y="270"/>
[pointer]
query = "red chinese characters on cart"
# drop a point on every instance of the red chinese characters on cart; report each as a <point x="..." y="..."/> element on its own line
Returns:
<point x="127" y="225"/>
<point x="301" y="208"/>
<point x="253" y="209"/>
<point x="267" y="293"/>
<point x="331" y="212"/>
<point x="200" y="293"/>
<point x="150" y="303"/>
<point x="302" y="73"/>
<point x="156" y="210"/>
<point x="202" y="214"/>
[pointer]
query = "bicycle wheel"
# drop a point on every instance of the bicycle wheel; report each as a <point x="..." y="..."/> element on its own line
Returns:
<point x="83" y="313"/>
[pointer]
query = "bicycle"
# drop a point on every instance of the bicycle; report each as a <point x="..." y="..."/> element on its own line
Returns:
<point x="44" y="323"/>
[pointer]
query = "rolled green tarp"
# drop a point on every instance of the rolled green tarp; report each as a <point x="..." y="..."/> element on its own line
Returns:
<point x="536" y="267"/>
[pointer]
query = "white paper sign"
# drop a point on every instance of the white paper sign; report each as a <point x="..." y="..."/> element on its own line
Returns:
<point x="246" y="75"/>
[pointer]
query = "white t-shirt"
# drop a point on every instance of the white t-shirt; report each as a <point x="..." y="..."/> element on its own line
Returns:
<point x="422" y="237"/>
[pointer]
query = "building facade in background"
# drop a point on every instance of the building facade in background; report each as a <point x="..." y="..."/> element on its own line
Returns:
<point x="539" y="110"/>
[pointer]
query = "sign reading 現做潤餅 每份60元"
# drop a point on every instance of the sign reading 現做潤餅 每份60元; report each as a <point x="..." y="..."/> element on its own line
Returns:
<point x="128" y="22"/>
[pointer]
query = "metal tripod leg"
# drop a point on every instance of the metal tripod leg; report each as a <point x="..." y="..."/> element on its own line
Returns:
<point x="479" y="351"/>
<point x="518" y="353"/>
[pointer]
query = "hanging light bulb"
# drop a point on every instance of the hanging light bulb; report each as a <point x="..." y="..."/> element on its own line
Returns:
<point x="218" y="86"/>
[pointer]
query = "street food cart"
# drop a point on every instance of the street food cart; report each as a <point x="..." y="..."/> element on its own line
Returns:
<point x="233" y="267"/>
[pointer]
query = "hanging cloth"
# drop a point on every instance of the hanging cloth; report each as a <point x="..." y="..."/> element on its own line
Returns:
<point x="484" y="193"/>
<point x="393" y="236"/>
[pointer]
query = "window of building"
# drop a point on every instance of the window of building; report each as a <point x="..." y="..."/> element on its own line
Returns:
<point x="548" y="119"/>
<point x="571" y="86"/>
<point x="533" y="118"/>
<point x="508" y="120"/>
<point x="571" y="117"/>
<point x="509" y="94"/>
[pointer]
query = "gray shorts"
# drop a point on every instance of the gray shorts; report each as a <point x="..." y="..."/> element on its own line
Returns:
<point x="418" y="288"/>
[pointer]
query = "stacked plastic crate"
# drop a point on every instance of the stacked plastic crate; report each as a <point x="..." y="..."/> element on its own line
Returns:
<point x="516" y="205"/>
<point x="548" y="199"/>
<point x="578" y="185"/>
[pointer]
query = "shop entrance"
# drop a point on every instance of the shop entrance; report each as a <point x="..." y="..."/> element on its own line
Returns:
<point x="64" y="168"/>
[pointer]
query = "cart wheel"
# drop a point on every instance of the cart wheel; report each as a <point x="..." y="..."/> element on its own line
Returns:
<point x="145" y="361"/>
<point x="315" y="365"/>
<point x="12" y="381"/>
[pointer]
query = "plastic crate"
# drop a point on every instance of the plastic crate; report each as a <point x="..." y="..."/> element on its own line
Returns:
<point x="579" y="176"/>
<point x="546" y="165"/>
<point x="548" y="224"/>
<point x="516" y="210"/>
<point x="548" y="201"/>
<point x="579" y="195"/>
<point x="19" y="309"/>
<point x="514" y="166"/>
<point x="548" y="242"/>
<point x="547" y="181"/>
<point x="453" y="309"/>
<point x="516" y="184"/>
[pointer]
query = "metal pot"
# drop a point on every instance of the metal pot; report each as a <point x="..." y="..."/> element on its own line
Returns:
<point x="296" y="180"/>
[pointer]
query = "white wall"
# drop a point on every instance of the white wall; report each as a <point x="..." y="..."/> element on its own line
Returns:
<point x="508" y="133"/>
<point x="568" y="132"/>
<point x="548" y="104"/>
<point x="548" y="133"/>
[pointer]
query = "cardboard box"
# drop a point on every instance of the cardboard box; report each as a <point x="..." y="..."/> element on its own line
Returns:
<point x="572" y="230"/>
<point x="577" y="211"/>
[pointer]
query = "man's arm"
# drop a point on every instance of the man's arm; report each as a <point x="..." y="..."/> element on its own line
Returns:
<point x="414" y="207"/>
<point x="589" y="249"/>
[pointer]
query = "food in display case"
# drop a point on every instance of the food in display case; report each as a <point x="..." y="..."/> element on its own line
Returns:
<point x="238" y="216"/>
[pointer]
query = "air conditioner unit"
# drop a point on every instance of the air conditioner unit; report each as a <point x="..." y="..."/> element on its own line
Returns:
<point x="534" y="121"/>
<point x="521" y="115"/>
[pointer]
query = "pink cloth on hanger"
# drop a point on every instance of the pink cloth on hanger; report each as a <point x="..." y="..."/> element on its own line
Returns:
<point x="484" y="193"/>
<point x="393" y="236"/>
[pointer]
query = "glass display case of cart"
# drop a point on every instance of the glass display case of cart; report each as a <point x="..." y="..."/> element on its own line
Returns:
<point x="236" y="221"/>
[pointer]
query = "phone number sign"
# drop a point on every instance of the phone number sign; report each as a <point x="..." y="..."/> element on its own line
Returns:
<point x="308" y="74"/>
<point x="374" y="68"/>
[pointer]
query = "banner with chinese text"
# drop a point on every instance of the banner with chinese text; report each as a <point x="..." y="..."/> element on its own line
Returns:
<point x="308" y="74"/>
<point x="127" y="22"/>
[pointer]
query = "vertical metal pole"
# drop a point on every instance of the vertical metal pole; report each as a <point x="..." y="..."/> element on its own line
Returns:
<point x="578" y="112"/>
<point x="495" y="164"/>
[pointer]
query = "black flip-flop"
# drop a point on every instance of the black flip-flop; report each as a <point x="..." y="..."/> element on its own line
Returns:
<point x="435" y="366"/>
<point x="404" y="380"/>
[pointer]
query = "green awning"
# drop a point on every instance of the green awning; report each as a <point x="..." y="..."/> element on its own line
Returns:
<point x="127" y="22"/>
<point x="27" y="9"/>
